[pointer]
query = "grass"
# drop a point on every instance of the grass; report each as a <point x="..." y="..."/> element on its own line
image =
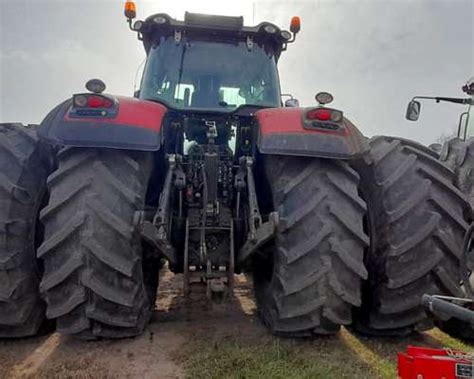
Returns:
<point x="347" y="355"/>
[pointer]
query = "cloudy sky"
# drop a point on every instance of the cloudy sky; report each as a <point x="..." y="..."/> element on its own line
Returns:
<point x="373" y="55"/>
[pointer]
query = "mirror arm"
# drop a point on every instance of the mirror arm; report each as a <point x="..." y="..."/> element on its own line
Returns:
<point x="447" y="99"/>
<point x="453" y="100"/>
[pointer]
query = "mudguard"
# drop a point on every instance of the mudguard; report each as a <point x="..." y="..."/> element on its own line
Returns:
<point x="284" y="131"/>
<point x="134" y="125"/>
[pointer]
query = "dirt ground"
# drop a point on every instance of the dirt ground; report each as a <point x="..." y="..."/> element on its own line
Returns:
<point x="155" y="354"/>
<point x="197" y="339"/>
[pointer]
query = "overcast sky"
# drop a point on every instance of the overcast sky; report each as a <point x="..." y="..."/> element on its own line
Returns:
<point x="372" y="55"/>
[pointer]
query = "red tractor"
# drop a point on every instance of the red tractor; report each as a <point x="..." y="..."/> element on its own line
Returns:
<point x="207" y="169"/>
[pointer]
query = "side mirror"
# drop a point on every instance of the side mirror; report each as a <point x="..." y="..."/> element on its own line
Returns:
<point x="413" y="110"/>
<point x="136" y="94"/>
<point x="292" y="103"/>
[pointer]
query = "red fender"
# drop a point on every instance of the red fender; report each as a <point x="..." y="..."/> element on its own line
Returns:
<point x="131" y="124"/>
<point x="286" y="131"/>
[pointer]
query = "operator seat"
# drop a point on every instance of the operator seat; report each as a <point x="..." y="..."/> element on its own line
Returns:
<point x="206" y="94"/>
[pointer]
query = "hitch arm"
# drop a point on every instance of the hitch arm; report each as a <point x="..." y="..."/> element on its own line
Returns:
<point x="441" y="305"/>
<point x="150" y="234"/>
<point x="259" y="233"/>
<point x="156" y="232"/>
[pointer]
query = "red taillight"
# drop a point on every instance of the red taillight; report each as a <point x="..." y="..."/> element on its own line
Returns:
<point x="98" y="102"/>
<point x="321" y="114"/>
<point x="92" y="101"/>
<point x="324" y="114"/>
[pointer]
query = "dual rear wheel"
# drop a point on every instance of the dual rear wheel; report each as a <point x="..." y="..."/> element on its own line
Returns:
<point x="458" y="155"/>
<point x="313" y="278"/>
<point x="23" y="172"/>
<point x="417" y="222"/>
<point x="97" y="281"/>
<point x="321" y="271"/>
<point x="81" y="262"/>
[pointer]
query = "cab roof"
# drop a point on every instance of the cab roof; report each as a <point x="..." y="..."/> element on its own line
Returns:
<point x="211" y="27"/>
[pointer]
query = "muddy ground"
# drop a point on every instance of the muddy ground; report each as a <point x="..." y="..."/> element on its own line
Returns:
<point x="198" y="339"/>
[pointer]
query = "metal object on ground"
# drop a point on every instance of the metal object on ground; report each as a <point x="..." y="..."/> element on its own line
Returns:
<point x="444" y="305"/>
<point x="427" y="363"/>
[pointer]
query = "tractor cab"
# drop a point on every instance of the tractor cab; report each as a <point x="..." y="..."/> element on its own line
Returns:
<point x="212" y="76"/>
<point x="466" y="118"/>
<point x="211" y="63"/>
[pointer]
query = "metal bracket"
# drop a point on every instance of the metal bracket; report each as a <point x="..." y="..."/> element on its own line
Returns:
<point x="219" y="281"/>
<point x="263" y="234"/>
<point x="250" y="43"/>
<point x="445" y="308"/>
<point x="186" y="261"/>
<point x="161" y="217"/>
<point x="255" y="219"/>
<point x="150" y="234"/>
<point x="231" y="268"/>
<point x="156" y="232"/>
<point x="259" y="233"/>
<point x="177" y="36"/>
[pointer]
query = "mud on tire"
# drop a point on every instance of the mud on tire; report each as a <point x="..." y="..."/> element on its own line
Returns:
<point x="312" y="278"/>
<point x="23" y="172"/>
<point x="417" y="223"/>
<point x="94" y="281"/>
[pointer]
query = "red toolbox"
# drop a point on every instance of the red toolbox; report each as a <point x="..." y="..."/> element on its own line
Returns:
<point x="426" y="363"/>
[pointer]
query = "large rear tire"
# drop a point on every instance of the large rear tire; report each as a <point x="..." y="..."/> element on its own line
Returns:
<point x="95" y="280"/>
<point x="417" y="223"/>
<point x="459" y="156"/>
<point x="23" y="172"/>
<point x="312" y="276"/>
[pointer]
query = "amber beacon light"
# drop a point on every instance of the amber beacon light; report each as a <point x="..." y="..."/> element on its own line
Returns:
<point x="295" y="24"/>
<point x="130" y="10"/>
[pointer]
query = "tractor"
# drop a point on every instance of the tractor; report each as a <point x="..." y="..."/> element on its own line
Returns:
<point x="207" y="168"/>
<point x="458" y="152"/>
<point x="457" y="313"/>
